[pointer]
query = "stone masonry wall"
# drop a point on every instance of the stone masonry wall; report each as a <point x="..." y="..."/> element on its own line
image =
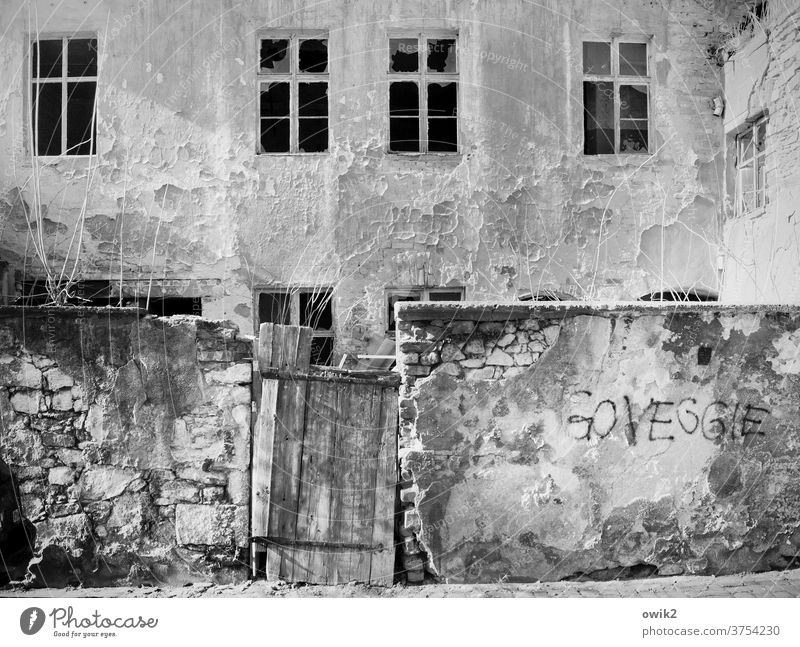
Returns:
<point x="129" y="439"/>
<point x="547" y="442"/>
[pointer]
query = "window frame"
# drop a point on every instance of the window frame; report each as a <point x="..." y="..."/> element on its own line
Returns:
<point x="618" y="80"/>
<point x="294" y="77"/>
<point x="759" y="160"/>
<point x="294" y="292"/>
<point x="422" y="77"/>
<point x="30" y="127"/>
<point x="413" y="290"/>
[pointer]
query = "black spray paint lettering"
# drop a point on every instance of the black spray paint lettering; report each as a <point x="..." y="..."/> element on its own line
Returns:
<point x="660" y="417"/>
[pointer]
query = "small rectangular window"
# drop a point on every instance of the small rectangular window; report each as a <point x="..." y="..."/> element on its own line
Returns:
<point x="293" y="95"/>
<point x="396" y="295"/>
<point x="616" y="97"/>
<point x="311" y="307"/>
<point x="751" y="171"/>
<point x="63" y="77"/>
<point x="423" y="98"/>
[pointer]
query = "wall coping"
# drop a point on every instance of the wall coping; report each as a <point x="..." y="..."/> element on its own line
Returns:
<point x="493" y="311"/>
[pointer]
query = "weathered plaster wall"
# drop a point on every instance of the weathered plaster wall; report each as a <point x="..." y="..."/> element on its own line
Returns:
<point x="763" y="250"/>
<point x="129" y="439"/>
<point x="521" y="208"/>
<point x="552" y="442"/>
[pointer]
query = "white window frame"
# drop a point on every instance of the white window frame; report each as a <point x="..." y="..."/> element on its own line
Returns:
<point x="294" y="77"/>
<point x="64" y="80"/>
<point x="758" y="160"/>
<point x="618" y="80"/>
<point x="424" y="293"/>
<point x="422" y="77"/>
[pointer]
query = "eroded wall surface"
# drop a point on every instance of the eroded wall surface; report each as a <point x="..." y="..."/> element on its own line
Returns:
<point x="762" y="249"/>
<point x="541" y="443"/>
<point x="178" y="192"/>
<point x="129" y="440"/>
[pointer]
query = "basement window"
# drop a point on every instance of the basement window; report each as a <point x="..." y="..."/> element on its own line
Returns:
<point x="751" y="174"/>
<point x="396" y="295"/>
<point x="616" y="97"/>
<point x="423" y="93"/>
<point x="63" y="77"/>
<point x="311" y="307"/>
<point x="680" y="295"/>
<point x="293" y="94"/>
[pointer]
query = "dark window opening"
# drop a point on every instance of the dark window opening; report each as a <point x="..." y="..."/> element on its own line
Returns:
<point x="81" y="293"/>
<point x="311" y="307"/>
<point x="398" y="295"/>
<point x="423" y="100"/>
<point x="293" y="110"/>
<point x="616" y="89"/>
<point x="63" y="93"/>
<point x="680" y="295"/>
<point x="170" y="306"/>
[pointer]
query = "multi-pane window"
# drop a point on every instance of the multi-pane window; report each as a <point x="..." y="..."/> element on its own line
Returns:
<point x="293" y="94"/>
<point x="423" y="94"/>
<point x="302" y="307"/>
<point x="63" y="88"/>
<point x="395" y="295"/>
<point x="751" y="174"/>
<point x="616" y="97"/>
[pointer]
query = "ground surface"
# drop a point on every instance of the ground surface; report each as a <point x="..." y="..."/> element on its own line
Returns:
<point x="757" y="585"/>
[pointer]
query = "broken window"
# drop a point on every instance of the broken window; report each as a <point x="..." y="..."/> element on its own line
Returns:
<point x="293" y="94"/>
<point x="423" y="94"/>
<point x="616" y="97"/>
<point x="311" y="307"/>
<point x="63" y="89"/>
<point x="396" y="295"/>
<point x="751" y="172"/>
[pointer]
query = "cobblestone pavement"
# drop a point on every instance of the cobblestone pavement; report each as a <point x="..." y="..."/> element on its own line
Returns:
<point x="779" y="584"/>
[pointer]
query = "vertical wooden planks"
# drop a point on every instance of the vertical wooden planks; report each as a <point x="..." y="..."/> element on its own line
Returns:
<point x="263" y="460"/>
<point x="315" y="482"/>
<point x="341" y="494"/>
<point x="382" y="562"/>
<point x="366" y="437"/>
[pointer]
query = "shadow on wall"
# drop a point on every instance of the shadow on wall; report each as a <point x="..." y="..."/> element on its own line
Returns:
<point x="17" y="534"/>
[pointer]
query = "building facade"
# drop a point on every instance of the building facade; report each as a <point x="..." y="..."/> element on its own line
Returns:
<point x="313" y="163"/>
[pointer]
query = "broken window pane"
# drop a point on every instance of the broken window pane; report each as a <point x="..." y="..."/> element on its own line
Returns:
<point x="633" y="59"/>
<point x="313" y="99"/>
<point x="322" y="351"/>
<point x="46" y="58"/>
<point x="274" y="135"/>
<point x="442" y="55"/>
<point x="316" y="310"/>
<point x="275" y="99"/>
<point x="47" y="118"/>
<point x="598" y="118"/>
<point x="313" y="135"/>
<point x="442" y="99"/>
<point x="403" y="99"/>
<point x="442" y="124"/>
<point x="275" y="56"/>
<point x="596" y="58"/>
<point x="403" y="55"/>
<point x="80" y="108"/>
<point x="82" y="57"/>
<point x="761" y="137"/>
<point x="273" y="307"/>
<point x="396" y="298"/>
<point x="313" y="56"/>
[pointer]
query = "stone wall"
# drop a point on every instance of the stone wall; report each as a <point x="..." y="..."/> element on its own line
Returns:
<point x="560" y="441"/>
<point x="129" y="439"/>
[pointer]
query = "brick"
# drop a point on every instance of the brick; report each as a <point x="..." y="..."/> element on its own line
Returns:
<point x="62" y="400"/>
<point x="57" y="380"/>
<point x="412" y="521"/>
<point x="474" y="347"/>
<point x="462" y="327"/>
<point x="415" y="577"/>
<point x="409" y="358"/>
<point x="26" y="402"/>
<point x="523" y="359"/>
<point x="450" y="368"/>
<point x="487" y="373"/>
<point x="408" y="495"/>
<point x="551" y="334"/>
<point x="494" y="328"/>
